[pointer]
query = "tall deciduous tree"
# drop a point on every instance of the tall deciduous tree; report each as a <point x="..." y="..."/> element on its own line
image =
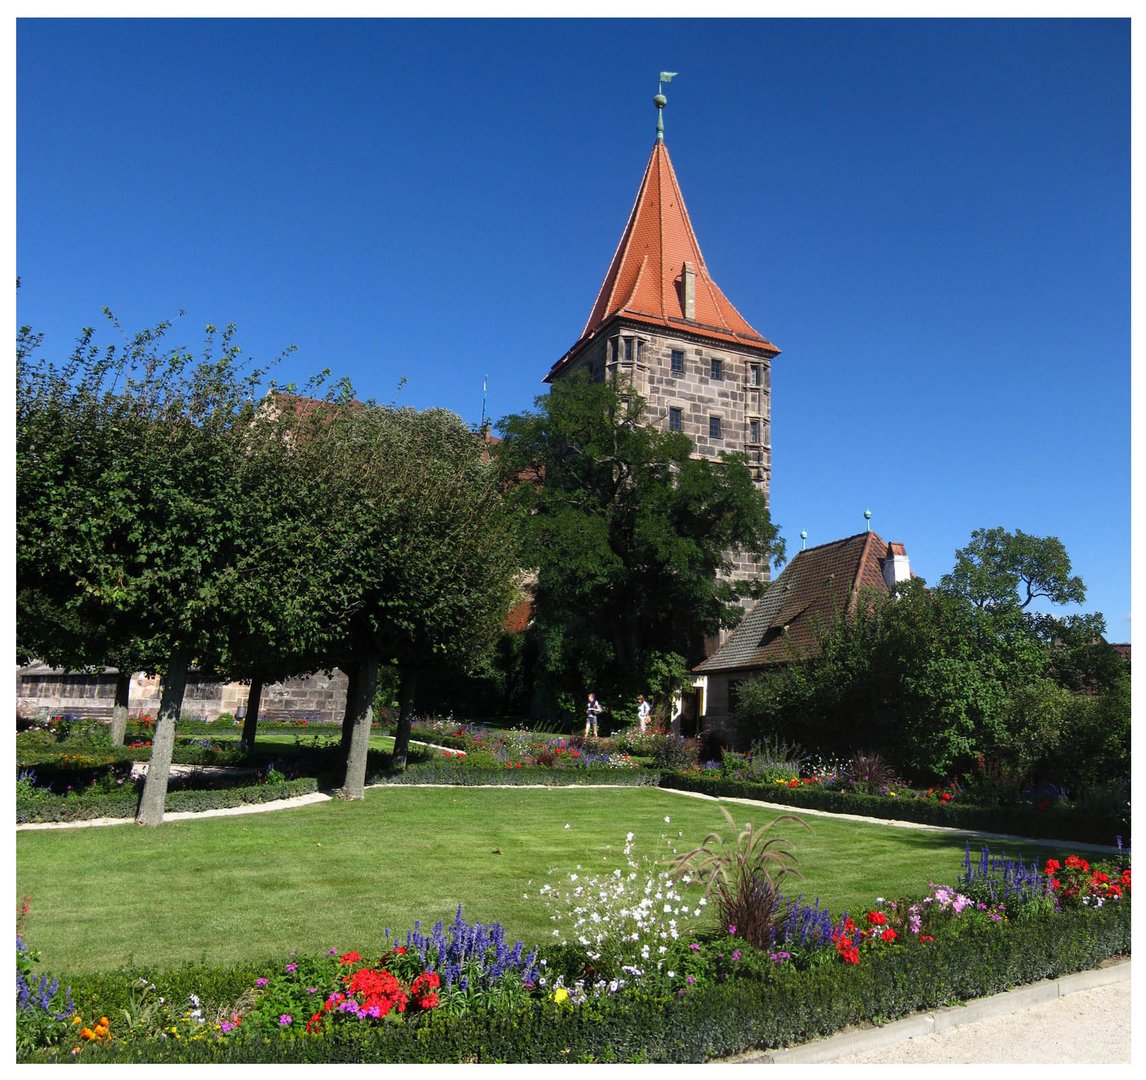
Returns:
<point x="999" y="568"/>
<point x="629" y="536"/>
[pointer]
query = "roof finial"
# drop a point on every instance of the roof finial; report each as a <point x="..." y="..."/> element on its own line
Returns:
<point x="803" y="539"/>
<point x="660" y="101"/>
<point x="867" y="518"/>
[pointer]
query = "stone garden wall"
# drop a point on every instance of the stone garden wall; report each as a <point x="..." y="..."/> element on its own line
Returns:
<point x="40" y="689"/>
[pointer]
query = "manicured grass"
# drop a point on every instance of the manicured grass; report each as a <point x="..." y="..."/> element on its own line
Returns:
<point x="336" y="874"/>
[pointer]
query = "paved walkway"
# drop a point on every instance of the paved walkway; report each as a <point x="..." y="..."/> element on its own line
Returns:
<point x="1078" y="1019"/>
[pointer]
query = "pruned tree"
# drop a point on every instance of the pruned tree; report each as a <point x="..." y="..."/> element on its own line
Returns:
<point x="131" y="467"/>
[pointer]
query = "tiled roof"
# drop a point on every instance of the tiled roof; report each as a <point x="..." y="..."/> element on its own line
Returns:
<point x="815" y="587"/>
<point x="644" y="282"/>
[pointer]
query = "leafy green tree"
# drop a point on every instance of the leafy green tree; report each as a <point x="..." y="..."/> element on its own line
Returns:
<point x="1000" y="568"/>
<point x="922" y="678"/>
<point x="419" y="556"/>
<point x="131" y="464"/>
<point x="629" y="537"/>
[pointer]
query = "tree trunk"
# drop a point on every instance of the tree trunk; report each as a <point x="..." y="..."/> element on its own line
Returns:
<point x="362" y="717"/>
<point x="119" y="713"/>
<point x="407" y="684"/>
<point x="251" y="720"/>
<point x="163" y="741"/>
<point x="348" y="713"/>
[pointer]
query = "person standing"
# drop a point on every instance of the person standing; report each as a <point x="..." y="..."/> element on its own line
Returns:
<point x="592" y="714"/>
<point x="643" y="710"/>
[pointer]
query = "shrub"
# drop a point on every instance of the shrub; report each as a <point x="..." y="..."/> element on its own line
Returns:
<point x="869" y="773"/>
<point x="673" y="751"/>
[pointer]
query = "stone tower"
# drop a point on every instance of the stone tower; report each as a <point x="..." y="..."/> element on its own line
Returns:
<point x="662" y="321"/>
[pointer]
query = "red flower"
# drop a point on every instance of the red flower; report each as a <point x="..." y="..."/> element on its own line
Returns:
<point x="889" y="934"/>
<point x="926" y="937"/>
<point x="945" y="797"/>
<point x="1055" y="884"/>
<point x="793" y="783"/>
<point x="1115" y="890"/>
<point x="315" y="1022"/>
<point x="350" y="958"/>
<point x="876" y="918"/>
<point x="399" y="950"/>
<point x="1073" y="862"/>
<point x="1052" y="865"/>
<point x="848" y="952"/>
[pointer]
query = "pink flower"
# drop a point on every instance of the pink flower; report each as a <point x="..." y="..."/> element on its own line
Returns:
<point x="732" y="929"/>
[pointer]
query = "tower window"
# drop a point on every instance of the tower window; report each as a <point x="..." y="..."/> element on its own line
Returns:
<point x="716" y="368"/>
<point x="753" y="431"/>
<point x="630" y="348"/>
<point x="674" y="419"/>
<point x="678" y="362"/>
<point x="754" y="375"/>
<point x="714" y="427"/>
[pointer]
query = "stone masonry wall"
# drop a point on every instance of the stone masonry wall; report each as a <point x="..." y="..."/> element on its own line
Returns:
<point x="315" y="697"/>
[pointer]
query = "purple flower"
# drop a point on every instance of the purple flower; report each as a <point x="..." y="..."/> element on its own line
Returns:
<point x="285" y="1020"/>
<point x="226" y="1026"/>
<point x="690" y="978"/>
<point x="695" y="947"/>
<point x="779" y="957"/>
<point x="736" y="954"/>
<point x="331" y="952"/>
<point x="292" y="967"/>
<point x="732" y="929"/>
<point x="260" y="983"/>
<point x="312" y="989"/>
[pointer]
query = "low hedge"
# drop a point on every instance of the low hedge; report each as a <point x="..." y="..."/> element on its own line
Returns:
<point x="713" y="1021"/>
<point x="124" y="804"/>
<point x="461" y="774"/>
<point x="1066" y="825"/>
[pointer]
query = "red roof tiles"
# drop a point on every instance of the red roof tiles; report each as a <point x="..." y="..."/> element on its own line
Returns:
<point x="645" y="278"/>
<point x="816" y="587"/>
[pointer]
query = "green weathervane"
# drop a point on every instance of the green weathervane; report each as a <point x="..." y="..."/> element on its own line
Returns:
<point x="660" y="101"/>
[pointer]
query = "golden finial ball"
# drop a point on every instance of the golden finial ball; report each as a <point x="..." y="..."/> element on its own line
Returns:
<point x="660" y="101"/>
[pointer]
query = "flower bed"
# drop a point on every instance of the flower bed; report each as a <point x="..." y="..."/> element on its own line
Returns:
<point x="652" y="978"/>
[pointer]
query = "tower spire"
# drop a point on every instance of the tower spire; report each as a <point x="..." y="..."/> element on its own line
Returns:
<point x="660" y="101"/>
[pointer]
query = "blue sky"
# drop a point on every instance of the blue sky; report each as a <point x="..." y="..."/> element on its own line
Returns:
<point x="931" y="219"/>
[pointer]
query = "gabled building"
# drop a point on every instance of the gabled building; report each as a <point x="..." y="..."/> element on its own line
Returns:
<point x="787" y="622"/>
<point x="662" y="321"/>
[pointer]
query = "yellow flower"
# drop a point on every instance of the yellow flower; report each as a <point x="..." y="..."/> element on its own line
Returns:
<point x="561" y="995"/>
<point x="87" y="1033"/>
<point x="103" y="1021"/>
<point x="77" y="1019"/>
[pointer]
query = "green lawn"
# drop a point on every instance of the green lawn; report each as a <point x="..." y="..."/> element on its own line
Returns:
<point x="256" y="886"/>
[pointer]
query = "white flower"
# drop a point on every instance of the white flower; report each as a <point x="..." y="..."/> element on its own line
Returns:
<point x="667" y="819"/>
<point x="566" y="825"/>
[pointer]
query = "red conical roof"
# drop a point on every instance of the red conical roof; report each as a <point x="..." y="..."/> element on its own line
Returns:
<point x="645" y="278"/>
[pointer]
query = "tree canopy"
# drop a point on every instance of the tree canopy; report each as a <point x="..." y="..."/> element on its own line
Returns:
<point x="1000" y="568"/>
<point x="630" y="536"/>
